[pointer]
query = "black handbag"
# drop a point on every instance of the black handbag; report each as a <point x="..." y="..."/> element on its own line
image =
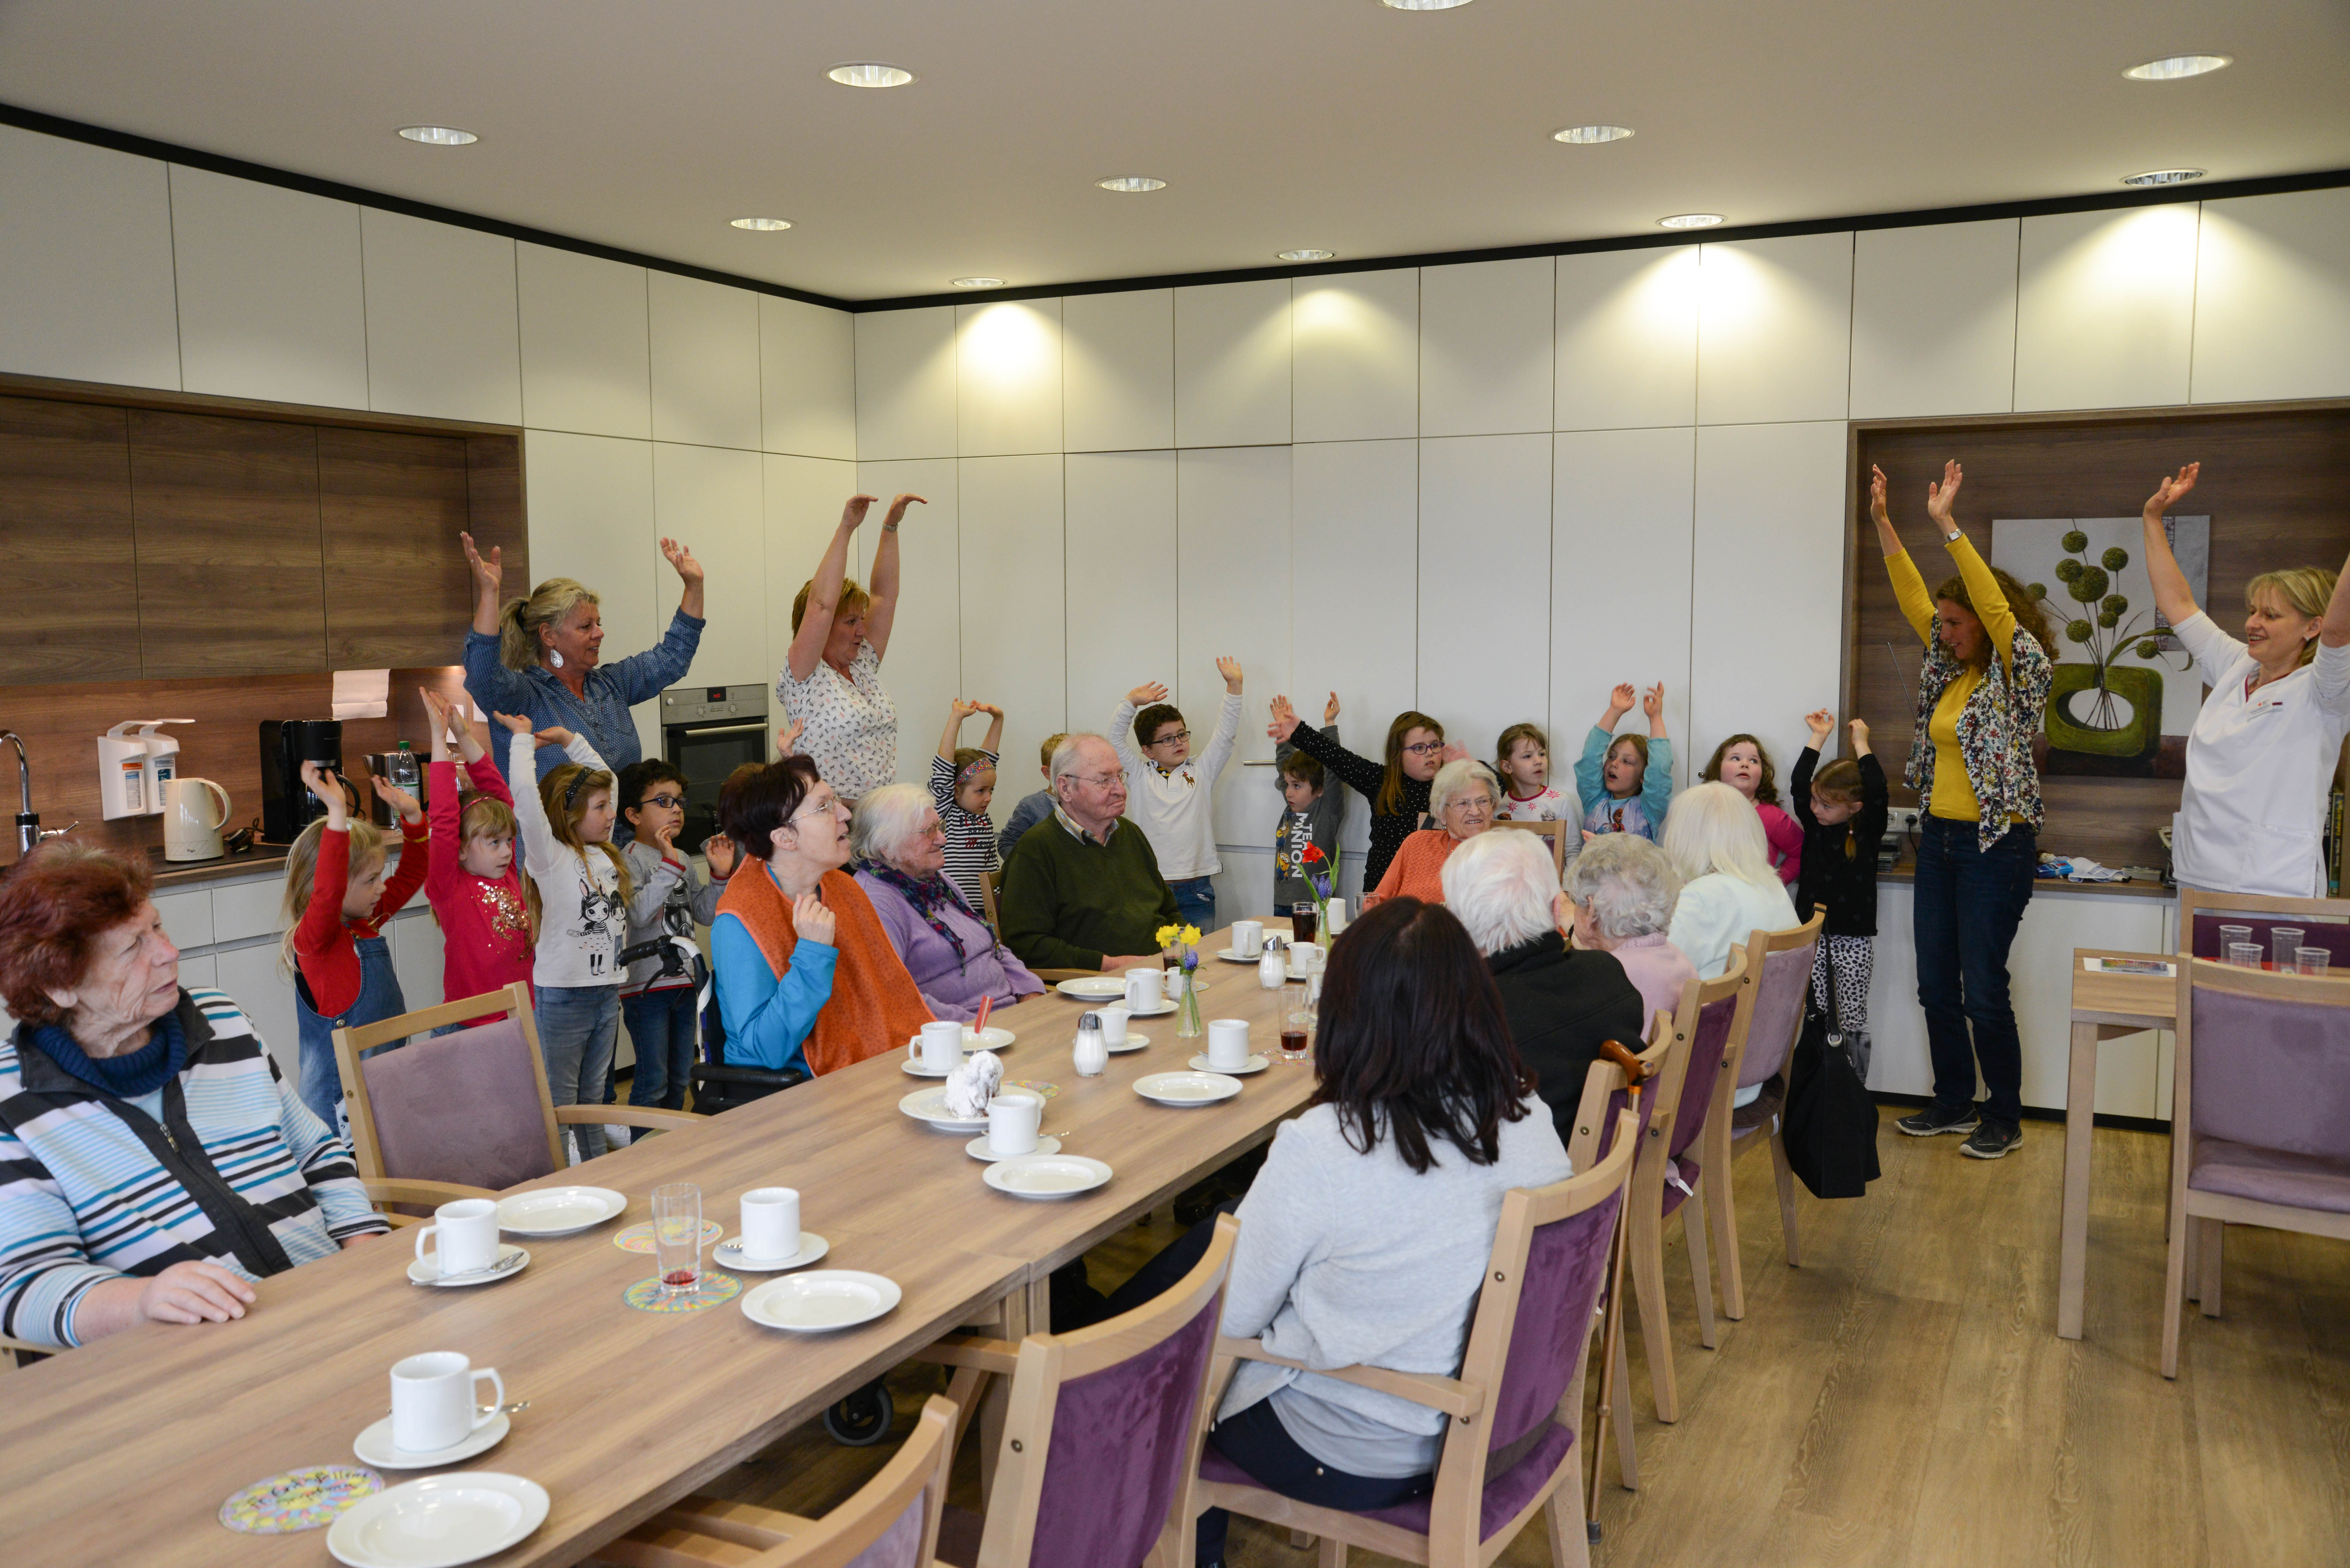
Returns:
<point x="1830" y="1123"/>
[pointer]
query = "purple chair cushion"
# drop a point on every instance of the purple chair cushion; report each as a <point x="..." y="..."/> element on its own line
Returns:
<point x="461" y="1108"/>
<point x="1506" y="1494"/>
<point x="2332" y="936"/>
<point x="2270" y="1176"/>
<point x="1680" y="1180"/>
<point x="2272" y="1074"/>
<point x="1120" y="1439"/>
<point x="900" y="1545"/>
<point x="1565" y="1262"/>
<point x="1778" y="1009"/>
<point x="1713" y="1020"/>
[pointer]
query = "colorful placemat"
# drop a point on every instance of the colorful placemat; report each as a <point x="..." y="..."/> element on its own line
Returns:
<point x="639" y="1238"/>
<point x="1037" y="1085"/>
<point x="716" y="1290"/>
<point x="305" y="1499"/>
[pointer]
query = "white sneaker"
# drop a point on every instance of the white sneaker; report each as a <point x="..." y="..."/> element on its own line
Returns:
<point x="616" y="1137"/>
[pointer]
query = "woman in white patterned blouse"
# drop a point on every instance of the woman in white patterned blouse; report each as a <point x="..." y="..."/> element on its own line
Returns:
<point x="831" y="680"/>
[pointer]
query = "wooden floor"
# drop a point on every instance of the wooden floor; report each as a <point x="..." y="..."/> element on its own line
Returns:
<point x="1903" y="1398"/>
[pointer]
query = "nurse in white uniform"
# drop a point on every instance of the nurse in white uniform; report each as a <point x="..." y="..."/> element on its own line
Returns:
<point x="2260" y="758"/>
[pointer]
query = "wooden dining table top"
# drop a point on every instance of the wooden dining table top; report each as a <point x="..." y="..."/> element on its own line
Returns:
<point x="123" y="1451"/>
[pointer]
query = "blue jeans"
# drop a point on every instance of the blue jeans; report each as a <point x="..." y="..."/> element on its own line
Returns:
<point x="1195" y="902"/>
<point x="661" y="1025"/>
<point x="1969" y="902"/>
<point x="577" y="1027"/>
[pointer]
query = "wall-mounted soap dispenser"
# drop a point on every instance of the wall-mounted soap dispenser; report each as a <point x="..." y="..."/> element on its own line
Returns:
<point x="122" y="786"/>
<point x="162" y="761"/>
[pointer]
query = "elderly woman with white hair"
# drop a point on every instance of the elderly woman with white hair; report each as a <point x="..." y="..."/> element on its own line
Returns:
<point x="1463" y="797"/>
<point x="1561" y="1002"/>
<point x="1621" y="892"/>
<point x="899" y="848"/>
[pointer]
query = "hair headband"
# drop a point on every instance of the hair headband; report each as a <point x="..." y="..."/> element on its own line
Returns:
<point x="972" y="768"/>
<point x="571" y="791"/>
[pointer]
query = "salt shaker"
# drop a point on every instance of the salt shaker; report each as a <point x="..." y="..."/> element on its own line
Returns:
<point x="1089" y="1055"/>
<point x="1272" y="969"/>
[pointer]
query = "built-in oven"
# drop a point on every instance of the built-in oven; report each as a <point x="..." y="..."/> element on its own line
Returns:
<point x="708" y="731"/>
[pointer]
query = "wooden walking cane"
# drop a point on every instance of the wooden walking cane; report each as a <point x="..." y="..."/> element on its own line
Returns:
<point x="1612" y="1329"/>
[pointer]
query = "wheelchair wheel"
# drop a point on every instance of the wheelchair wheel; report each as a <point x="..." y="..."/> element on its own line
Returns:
<point x="863" y="1418"/>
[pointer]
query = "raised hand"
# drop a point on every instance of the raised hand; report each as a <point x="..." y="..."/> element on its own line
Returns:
<point x="1453" y="753"/>
<point x="718" y="850"/>
<point x="1144" y="695"/>
<point x="2168" y="493"/>
<point x="1330" y="709"/>
<point x="1820" y="722"/>
<point x="664" y="837"/>
<point x="898" y="509"/>
<point x="1229" y="668"/>
<point x="398" y="799"/>
<point x="488" y="575"/>
<point x="321" y="784"/>
<point x="1652" y="702"/>
<point x="1620" y="701"/>
<point x="1859" y="730"/>
<point x="811" y="921"/>
<point x="555" y="735"/>
<point x="990" y="709"/>
<point x="787" y="741"/>
<point x="963" y="709"/>
<point x="1285" y="720"/>
<point x="518" y="725"/>
<point x="1938" y="497"/>
<point x="854" y="512"/>
<point x="1877" y="489"/>
<point x="682" y="559"/>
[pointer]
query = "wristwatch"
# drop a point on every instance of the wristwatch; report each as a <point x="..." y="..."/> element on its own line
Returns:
<point x="1953" y="537"/>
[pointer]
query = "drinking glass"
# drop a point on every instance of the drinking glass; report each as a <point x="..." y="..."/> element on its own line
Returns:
<point x="2312" y="961"/>
<point x="1296" y="1035"/>
<point x="677" y="1238"/>
<point x="2283" y="942"/>
<point x="1301" y="923"/>
<point x="2244" y="955"/>
<point x="2230" y="935"/>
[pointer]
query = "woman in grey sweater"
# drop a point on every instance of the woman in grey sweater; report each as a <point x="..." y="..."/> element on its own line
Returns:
<point x="1364" y="1239"/>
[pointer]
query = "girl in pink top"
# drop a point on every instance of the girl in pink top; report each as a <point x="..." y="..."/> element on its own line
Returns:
<point x="1741" y="763"/>
<point x="476" y="889"/>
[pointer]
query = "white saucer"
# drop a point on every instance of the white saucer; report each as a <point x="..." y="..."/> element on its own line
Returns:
<point x="916" y="1069"/>
<point x="1092" y="987"/>
<point x="729" y="1254"/>
<point x="977" y="1148"/>
<point x="559" y="1211"/>
<point x="824" y="1299"/>
<point x="1229" y="956"/>
<point x="1256" y="1064"/>
<point x="930" y="1105"/>
<point x="994" y="1039"/>
<point x="439" y="1521"/>
<point x="1166" y="1005"/>
<point x="426" y="1270"/>
<point x="1187" y="1088"/>
<point x="1041" y="1175"/>
<point x="374" y="1445"/>
<point x="1135" y="1041"/>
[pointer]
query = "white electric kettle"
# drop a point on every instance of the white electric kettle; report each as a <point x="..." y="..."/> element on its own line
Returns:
<point x="192" y="825"/>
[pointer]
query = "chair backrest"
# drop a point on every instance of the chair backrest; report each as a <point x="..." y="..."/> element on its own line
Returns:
<point x="892" y="1520"/>
<point x="1606" y="1094"/>
<point x="2264" y="1059"/>
<point x="1101" y="1443"/>
<point x="471" y="1107"/>
<point x="1776" y="988"/>
<point x="1555" y="832"/>
<point x="2325" y="922"/>
<point x="989" y="881"/>
<point x="1706" y="1019"/>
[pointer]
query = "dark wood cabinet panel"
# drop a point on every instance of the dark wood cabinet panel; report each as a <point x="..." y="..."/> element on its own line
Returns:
<point x="392" y="505"/>
<point x="68" y="589"/>
<point x="229" y="549"/>
<point x="493" y="472"/>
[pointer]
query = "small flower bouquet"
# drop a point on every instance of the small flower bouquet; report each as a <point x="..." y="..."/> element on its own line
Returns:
<point x="1321" y="872"/>
<point x="1181" y="944"/>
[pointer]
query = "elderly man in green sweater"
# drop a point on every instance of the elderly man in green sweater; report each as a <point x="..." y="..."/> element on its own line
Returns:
<point x="1082" y="889"/>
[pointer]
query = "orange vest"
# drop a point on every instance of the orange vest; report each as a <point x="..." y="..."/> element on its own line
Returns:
<point x="875" y="1008"/>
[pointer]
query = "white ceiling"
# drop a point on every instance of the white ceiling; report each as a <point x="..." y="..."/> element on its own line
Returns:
<point x="1332" y="123"/>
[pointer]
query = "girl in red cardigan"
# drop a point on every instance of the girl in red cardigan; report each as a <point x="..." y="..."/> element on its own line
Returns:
<point x="488" y="919"/>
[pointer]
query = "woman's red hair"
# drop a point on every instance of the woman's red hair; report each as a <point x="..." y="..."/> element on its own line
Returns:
<point x="54" y="906"/>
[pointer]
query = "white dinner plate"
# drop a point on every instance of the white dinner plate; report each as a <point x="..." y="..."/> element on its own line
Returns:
<point x="558" y="1210"/>
<point x="977" y="1148"/>
<point x="729" y="1254"/>
<point x="1135" y="1041"/>
<point x="930" y="1105"/>
<point x="1042" y="1175"/>
<point x="827" y="1299"/>
<point x="1257" y="1063"/>
<point x="1187" y="1088"/>
<point x="374" y="1445"/>
<point x="512" y="1260"/>
<point x="1092" y="987"/>
<point x="438" y="1522"/>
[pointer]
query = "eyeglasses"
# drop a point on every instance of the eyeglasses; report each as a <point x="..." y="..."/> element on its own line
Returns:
<point x="1478" y="806"/>
<point x="1100" y="780"/>
<point x="1425" y="748"/>
<point x="1167" y="739"/>
<point x="664" y="800"/>
<point x="824" y="807"/>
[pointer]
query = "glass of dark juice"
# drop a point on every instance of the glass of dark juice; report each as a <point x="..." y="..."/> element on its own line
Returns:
<point x="1302" y="923"/>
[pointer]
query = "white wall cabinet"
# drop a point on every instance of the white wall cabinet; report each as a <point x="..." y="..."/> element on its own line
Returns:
<point x="924" y="660"/>
<point x="1485" y="585"/>
<point x="1233" y="363"/>
<point x="85" y="286"/>
<point x="1357" y="348"/>
<point x="2105" y="316"/>
<point x="270" y="299"/>
<point x="1627" y="353"/>
<point x="1485" y="333"/>
<point x="704" y="362"/>
<point x="1013" y="592"/>
<point x="712" y="500"/>
<point x="443" y="334"/>
<point x="906" y="384"/>
<point x="1117" y="371"/>
<point x="1233" y="599"/>
<point x="1008" y="377"/>
<point x="1933" y="320"/>
<point x="586" y="345"/>
<point x="1774" y="329"/>
<point x="592" y="518"/>
<point x="1119" y="577"/>
<point x="808" y="379"/>
<point x="801" y="501"/>
<point x="2272" y="298"/>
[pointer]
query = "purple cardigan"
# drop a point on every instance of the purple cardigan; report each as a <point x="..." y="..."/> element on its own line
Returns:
<point x="952" y="992"/>
<point x="1658" y="970"/>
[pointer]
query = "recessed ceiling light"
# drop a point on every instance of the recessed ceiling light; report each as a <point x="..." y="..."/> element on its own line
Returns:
<point x="870" y="74"/>
<point x="438" y="135"/>
<point x="1589" y="135"/>
<point x="1307" y="255"/>
<point x="1131" y="183"/>
<point x="1422" y="5"/>
<point x="762" y="225"/>
<point x="2172" y="67"/>
<point x="979" y="282"/>
<point x="2163" y="177"/>
<point x="1690" y="221"/>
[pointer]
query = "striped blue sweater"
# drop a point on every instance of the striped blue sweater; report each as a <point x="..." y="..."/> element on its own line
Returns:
<point x="93" y="1188"/>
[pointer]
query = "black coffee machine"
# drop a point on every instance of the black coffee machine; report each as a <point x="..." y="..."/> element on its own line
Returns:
<point x="286" y="804"/>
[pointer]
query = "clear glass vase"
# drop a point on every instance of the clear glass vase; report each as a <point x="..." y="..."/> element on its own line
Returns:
<point x="1187" y="1013"/>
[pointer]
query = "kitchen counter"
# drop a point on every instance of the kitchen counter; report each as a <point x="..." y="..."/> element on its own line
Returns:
<point x="1905" y="872"/>
<point x="265" y="861"/>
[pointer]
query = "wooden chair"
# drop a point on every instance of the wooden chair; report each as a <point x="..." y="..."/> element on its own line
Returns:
<point x="1619" y="1082"/>
<point x="466" y="1115"/>
<point x="1541" y="1284"/>
<point x="989" y="882"/>
<point x="2325" y="921"/>
<point x="892" y="1522"/>
<point x="1555" y="832"/>
<point x="1772" y="1003"/>
<point x="2257" y="1132"/>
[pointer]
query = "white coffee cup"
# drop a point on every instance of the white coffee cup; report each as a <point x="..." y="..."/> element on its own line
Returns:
<point x="1145" y="989"/>
<point x="770" y="1223"/>
<point x="1012" y="1122"/>
<point x="468" y="1232"/>
<point x="432" y="1400"/>
<point x="1248" y="937"/>
<point x="1113" y="1022"/>
<point x="1228" y="1043"/>
<point x="939" y="1047"/>
<point x="1334" y="917"/>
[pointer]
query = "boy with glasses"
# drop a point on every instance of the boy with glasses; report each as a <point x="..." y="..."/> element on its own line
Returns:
<point x="1173" y="796"/>
<point x="669" y="899"/>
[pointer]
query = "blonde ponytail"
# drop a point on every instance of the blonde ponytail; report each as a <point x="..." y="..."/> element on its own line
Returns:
<point x="550" y="604"/>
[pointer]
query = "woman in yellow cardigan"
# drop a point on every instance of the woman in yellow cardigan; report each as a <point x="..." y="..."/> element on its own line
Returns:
<point x="1462" y="799"/>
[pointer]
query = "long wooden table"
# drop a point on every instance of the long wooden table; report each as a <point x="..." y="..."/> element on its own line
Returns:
<point x="121" y="1452"/>
<point x="2105" y="1006"/>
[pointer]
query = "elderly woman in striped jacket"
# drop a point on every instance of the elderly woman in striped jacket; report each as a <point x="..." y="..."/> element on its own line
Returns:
<point x="152" y="1163"/>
